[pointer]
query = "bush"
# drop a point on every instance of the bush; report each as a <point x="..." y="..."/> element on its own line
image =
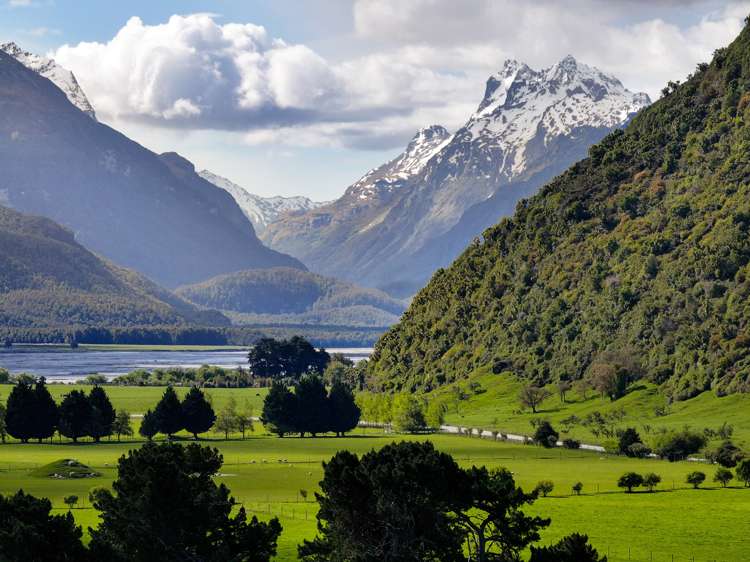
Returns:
<point x="628" y="438"/>
<point x="571" y="443"/>
<point x="743" y="471"/>
<point x="545" y="435"/>
<point x="651" y="480"/>
<point x="723" y="476"/>
<point x="630" y="480"/>
<point x="545" y="487"/>
<point x="678" y="445"/>
<point x="727" y="455"/>
<point x="577" y="487"/>
<point x="696" y="478"/>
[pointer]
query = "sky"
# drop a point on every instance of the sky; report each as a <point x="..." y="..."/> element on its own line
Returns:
<point x="292" y="97"/>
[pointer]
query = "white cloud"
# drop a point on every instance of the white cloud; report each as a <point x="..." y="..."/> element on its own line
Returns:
<point x="19" y="3"/>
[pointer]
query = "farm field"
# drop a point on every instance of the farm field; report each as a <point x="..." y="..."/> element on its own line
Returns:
<point x="266" y="474"/>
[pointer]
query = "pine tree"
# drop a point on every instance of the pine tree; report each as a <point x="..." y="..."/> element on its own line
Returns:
<point x="168" y="413"/>
<point x="344" y="411"/>
<point x="20" y="414"/>
<point x="46" y="415"/>
<point x="149" y="425"/>
<point x="197" y="414"/>
<point x="102" y="414"/>
<point x="75" y="415"/>
<point x="279" y="410"/>
<point x="313" y="413"/>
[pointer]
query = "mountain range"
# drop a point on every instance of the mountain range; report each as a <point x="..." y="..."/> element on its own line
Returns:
<point x="400" y="222"/>
<point x="633" y="263"/>
<point x="149" y="212"/>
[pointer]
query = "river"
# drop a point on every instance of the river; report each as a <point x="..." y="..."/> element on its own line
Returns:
<point x="59" y="364"/>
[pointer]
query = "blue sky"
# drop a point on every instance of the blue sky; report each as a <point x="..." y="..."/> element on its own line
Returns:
<point x="316" y="92"/>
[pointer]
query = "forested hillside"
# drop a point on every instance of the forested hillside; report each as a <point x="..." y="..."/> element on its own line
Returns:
<point x="47" y="279"/>
<point x="633" y="261"/>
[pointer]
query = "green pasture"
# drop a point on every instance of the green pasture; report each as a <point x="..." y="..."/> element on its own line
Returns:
<point x="266" y="474"/>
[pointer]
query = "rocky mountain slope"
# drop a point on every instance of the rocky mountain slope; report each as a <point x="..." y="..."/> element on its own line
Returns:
<point x="147" y="212"/>
<point x="633" y="263"/>
<point x="399" y="223"/>
<point x="290" y="296"/>
<point x="260" y="211"/>
<point x="48" y="279"/>
<point x="60" y="77"/>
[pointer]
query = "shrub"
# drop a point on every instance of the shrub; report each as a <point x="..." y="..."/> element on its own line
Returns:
<point x="723" y="476"/>
<point x="651" y="480"/>
<point x="571" y="443"/>
<point x="727" y="455"/>
<point x="545" y="435"/>
<point x="545" y="487"/>
<point x="630" y="480"/>
<point x="577" y="487"/>
<point x="696" y="478"/>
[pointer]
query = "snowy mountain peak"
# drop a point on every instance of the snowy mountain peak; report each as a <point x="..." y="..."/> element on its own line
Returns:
<point x="260" y="211"/>
<point x="59" y="76"/>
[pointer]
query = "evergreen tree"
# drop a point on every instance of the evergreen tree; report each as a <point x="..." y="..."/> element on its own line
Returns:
<point x="197" y="414"/>
<point x="313" y="413"/>
<point x="20" y="414"/>
<point x="344" y="411"/>
<point x="75" y="415"/>
<point x="279" y="410"/>
<point x="149" y="425"/>
<point x="45" y="409"/>
<point x="168" y="413"/>
<point x="102" y="414"/>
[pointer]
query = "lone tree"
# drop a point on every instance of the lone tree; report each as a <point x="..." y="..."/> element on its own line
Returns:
<point x="344" y="412"/>
<point x="149" y="425"/>
<point x="532" y="396"/>
<point x="122" y="424"/>
<point x="75" y="415"/>
<point x="545" y="487"/>
<point x="46" y="414"/>
<point x="545" y="435"/>
<point x="102" y="416"/>
<point x="573" y="548"/>
<point x="630" y="480"/>
<point x="70" y="501"/>
<point x="723" y="476"/>
<point x="19" y="416"/>
<point x="651" y="481"/>
<point x="577" y="488"/>
<point x="166" y="506"/>
<point x="743" y="471"/>
<point x="168" y="413"/>
<point x="696" y="478"/>
<point x="197" y="414"/>
<point x="279" y="410"/>
<point x="30" y="532"/>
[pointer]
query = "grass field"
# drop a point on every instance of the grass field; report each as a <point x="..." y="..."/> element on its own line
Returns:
<point x="707" y="524"/>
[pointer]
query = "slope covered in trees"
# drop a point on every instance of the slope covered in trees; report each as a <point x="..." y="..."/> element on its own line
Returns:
<point x="635" y="260"/>
<point x="48" y="279"/>
<point x="288" y="295"/>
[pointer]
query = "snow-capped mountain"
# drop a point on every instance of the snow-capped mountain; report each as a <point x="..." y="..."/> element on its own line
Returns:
<point x="400" y="222"/>
<point x="261" y="211"/>
<point x="60" y="77"/>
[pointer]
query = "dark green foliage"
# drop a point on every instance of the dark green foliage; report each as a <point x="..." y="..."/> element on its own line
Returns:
<point x="102" y="414"/>
<point x="545" y="435"/>
<point x="3" y="423"/>
<point x="628" y="438"/>
<point x="197" y="414"/>
<point x="696" y="478"/>
<point x="75" y="415"/>
<point x="29" y="532"/>
<point x="279" y="410"/>
<point x="166" y="506"/>
<point x="727" y="455"/>
<point x="343" y="410"/>
<point x="570" y="443"/>
<point x="149" y="425"/>
<point x="313" y="408"/>
<point x="654" y="262"/>
<point x="45" y="409"/>
<point x="651" y="480"/>
<point x="573" y="548"/>
<point x="723" y="476"/>
<point x="168" y="413"/>
<point x="630" y="480"/>
<point x="678" y="445"/>
<point x="743" y="471"/>
<point x="392" y="504"/>
<point x="290" y="358"/>
<point x="20" y="414"/>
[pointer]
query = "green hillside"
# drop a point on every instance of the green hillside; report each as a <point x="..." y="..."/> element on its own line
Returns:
<point x="292" y="296"/>
<point x="634" y="261"/>
<point x="47" y="279"/>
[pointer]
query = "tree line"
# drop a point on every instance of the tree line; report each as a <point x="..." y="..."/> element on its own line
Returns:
<point x="434" y="510"/>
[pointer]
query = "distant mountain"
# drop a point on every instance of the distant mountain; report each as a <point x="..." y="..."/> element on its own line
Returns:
<point x="290" y="296"/>
<point x="399" y="223"/>
<point x="147" y="212"/>
<point x="633" y="263"/>
<point x="60" y="77"/>
<point x="48" y="279"/>
<point x="261" y="211"/>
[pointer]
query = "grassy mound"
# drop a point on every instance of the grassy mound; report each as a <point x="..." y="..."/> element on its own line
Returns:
<point x="65" y="469"/>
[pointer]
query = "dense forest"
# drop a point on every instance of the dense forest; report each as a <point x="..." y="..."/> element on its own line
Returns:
<point x="635" y="260"/>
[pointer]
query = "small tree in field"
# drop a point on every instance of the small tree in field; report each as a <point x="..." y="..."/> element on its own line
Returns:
<point x="630" y="480"/>
<point x="226" y="421"/>
<point x="723" y="476"/>
<point x="122" y="426"/>
<point x="696" y="478"/>
<point x="532" y="396"/>
<point x="577" y="488"/>
<point x="545" y="487"/>
<point x="70" y="501"/>
<point x="303" y="494"/>
<point x="743" y="472"/>
<point x="149" y="425"/>
<point x="651" y="481"/>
